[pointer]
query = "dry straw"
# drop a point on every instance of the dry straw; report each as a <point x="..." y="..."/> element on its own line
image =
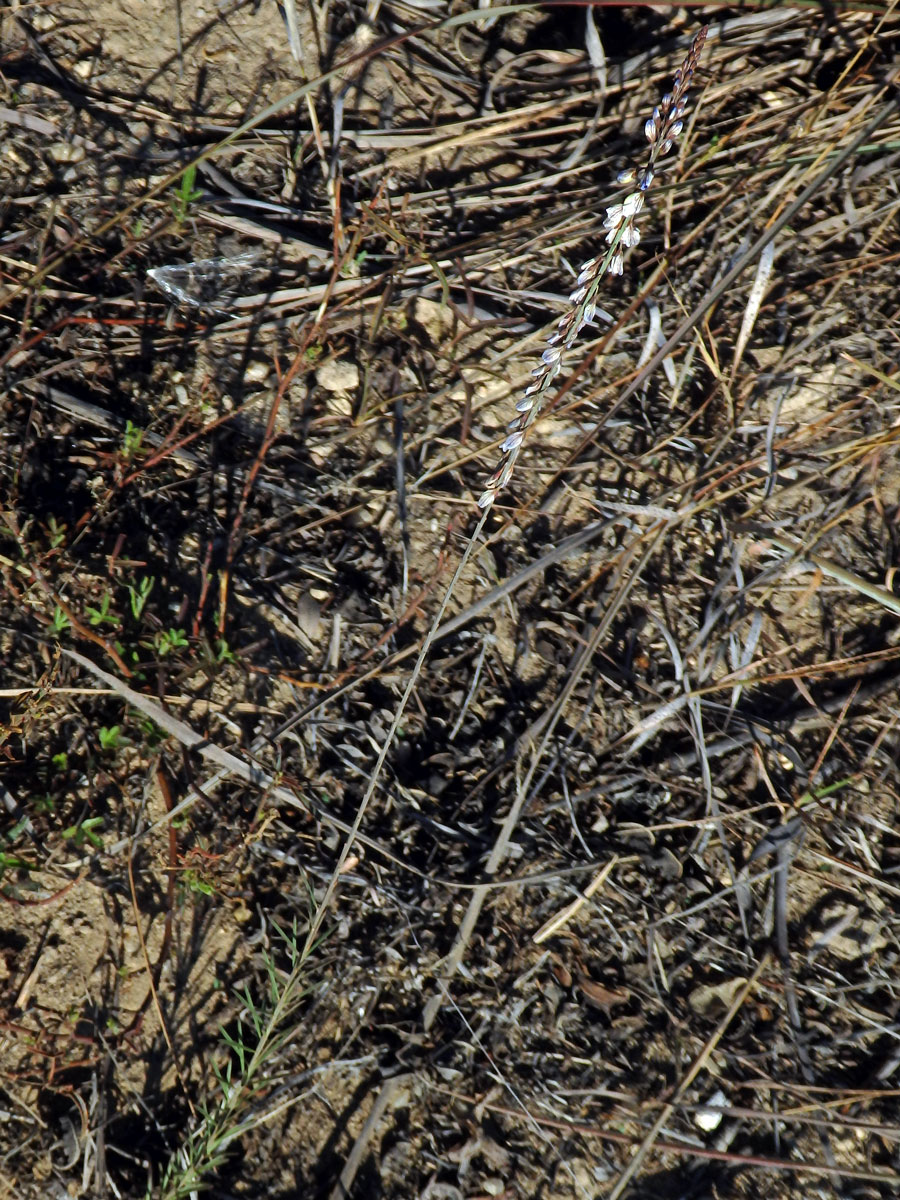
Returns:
<point x="661" y="130"/>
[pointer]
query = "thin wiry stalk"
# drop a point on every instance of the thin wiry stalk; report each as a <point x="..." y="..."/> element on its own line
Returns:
<point x="661" y="130"/>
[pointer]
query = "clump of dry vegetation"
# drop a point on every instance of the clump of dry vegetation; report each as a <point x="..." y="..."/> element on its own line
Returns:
<point x="359" y="843"/>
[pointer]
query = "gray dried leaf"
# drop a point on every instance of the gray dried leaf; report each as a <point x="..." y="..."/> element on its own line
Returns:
<point x="712" y="1000"/>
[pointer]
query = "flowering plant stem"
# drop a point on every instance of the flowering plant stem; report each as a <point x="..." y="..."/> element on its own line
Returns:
<point x="661" y="130"/>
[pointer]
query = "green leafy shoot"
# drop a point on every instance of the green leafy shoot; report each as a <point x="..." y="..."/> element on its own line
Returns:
<point x="170" y="640"/>
<point x="111" y="738"/>
<point x="140" y="595"/>
<point x="185" y="195"/>
<point x="60" y="623"/>
<point x="101" y="615"/>
<point x="57" y="532"/>
<point x="83" y="832"/>
<point x="133" y="440"/>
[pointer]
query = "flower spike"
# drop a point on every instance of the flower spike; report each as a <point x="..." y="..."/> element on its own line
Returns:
<point x="661" y="130"/>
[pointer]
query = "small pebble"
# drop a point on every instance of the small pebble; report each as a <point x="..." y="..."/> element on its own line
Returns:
<point x="338" y="376"/>
<point x="710" y="1118"/>
<point x="65" y="152"/>
<point x="256" y="372"/>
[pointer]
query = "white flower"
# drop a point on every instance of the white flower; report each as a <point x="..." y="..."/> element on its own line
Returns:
<point x="614" y="217"/>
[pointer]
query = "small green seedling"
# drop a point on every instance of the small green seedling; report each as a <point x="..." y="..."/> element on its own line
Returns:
<point x="170" y="640"/>
<point x="84" y="832"/>
<point x="12" y="862"/>
<point x="140" y="595"/>
<point x="110" y="737"/>
<point x="197" y="884"/>
<point x="151" y="733"/>
<point x="60" y="623"/>
<point x="133" y="440"/>
<point x="223" y="653"/>
<point x="186" y="195"/>
<point x="101" y="615"/>
<point x="57" y="532"/>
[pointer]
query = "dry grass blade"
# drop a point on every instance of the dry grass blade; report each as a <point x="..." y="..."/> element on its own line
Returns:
<point x="697" y="1066"/>
<point x="706" y="1153"/>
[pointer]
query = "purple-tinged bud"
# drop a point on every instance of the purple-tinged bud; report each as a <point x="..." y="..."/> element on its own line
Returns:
<point x="676" y="128"/>
<point x="650" y="130"/>
<point x="626" y="176"/>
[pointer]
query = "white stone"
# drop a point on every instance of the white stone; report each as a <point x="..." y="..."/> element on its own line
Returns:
<point x="709" y="1118"/>
<point x="340" y="375"/>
